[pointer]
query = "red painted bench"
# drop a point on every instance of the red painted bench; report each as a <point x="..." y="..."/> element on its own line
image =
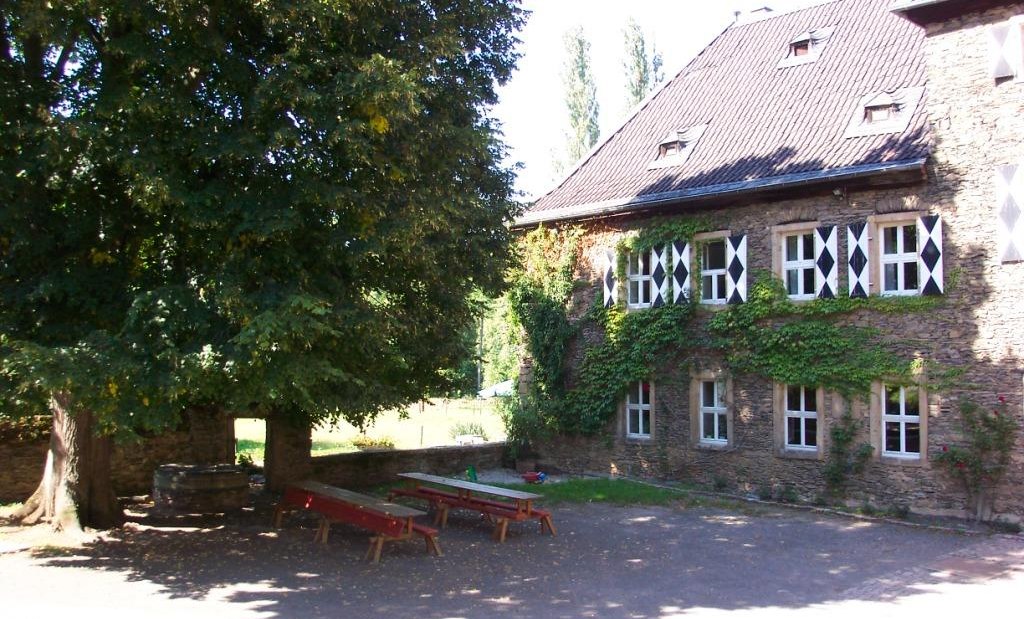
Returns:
<point x="389" y="521"/>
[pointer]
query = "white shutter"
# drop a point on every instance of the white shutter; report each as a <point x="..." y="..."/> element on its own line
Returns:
<point x="736" y="269"/>
<point x="680" y="272"/>
<point x="929" y="258"/>
<point x="826" y="259"/>
<point x="1005" y="51"/>
<point x="611" y="295"/>
<point x="1009" y="202"/>
<point x="659" y="276"/>
<point x="857" y="259"/>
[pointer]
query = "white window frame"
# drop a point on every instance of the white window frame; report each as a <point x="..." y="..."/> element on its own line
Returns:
<point x="799" y="265"/>
<point x="800" y="412"/>
<point x="644" y="282"/>
<point x="635" y="403"/>
<point x="901" y="258"/>
<point x="715" y="273"/>
<point x="903" y="420"/>
<point x="719" y="411"/>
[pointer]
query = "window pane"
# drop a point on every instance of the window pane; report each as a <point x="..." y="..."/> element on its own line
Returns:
<point x="720" y="393"/>
<point x="889" y="243"/>
<point x="634" y="421"/>
<point x="808" y="246"/>
<point x="793" y="281"/>
<point x="793" y="431"/>
<point x="722" y="427"/>
<point x="911" y="401"/>
<point x="913" y="431"/>
<point x="709" y="425"/>
<point x="707" y="394"/>
<point x="890" y="283"/>
<point x="714" y="255"/>
<point x="793" y="398"/>
<point x="909" y="239"/>
<point x="645" y="393"/>
<point x="892" y="400"/>
<point x="808" y="281"/>
<point x="706" y="291"/>
<point x="634" y="292"/>
<point x="892" y="436"/>
<point x="810" y="399"/>
<point x="791" y="247"/>
<point x="811" y="432"/>
<point x="910" y="276"/>
<point x="721" y="287"/>
<point x="645" y="292"/>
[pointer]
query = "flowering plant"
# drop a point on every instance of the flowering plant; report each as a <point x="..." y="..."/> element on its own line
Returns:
<point x="980" y="462"/>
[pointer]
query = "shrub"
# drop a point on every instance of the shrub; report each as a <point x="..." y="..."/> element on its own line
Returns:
<point x="368" y="442"/>
<point x="472" y="428"/>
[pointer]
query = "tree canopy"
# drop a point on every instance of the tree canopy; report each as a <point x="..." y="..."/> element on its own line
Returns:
<point x="276" y="205"/>
<point x="580" y="97"/>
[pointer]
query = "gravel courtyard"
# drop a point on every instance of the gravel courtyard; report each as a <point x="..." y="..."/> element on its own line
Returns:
<point x="606" y="561"/>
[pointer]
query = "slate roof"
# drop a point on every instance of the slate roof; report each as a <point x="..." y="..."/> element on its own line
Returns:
<point x="766" y="126"/>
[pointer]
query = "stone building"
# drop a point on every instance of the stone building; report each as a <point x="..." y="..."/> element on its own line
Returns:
<point x="856" y="148"/>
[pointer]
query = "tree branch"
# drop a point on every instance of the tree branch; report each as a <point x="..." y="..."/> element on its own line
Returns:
<point x="62" y="60"/>
<point x="5" y="43"/>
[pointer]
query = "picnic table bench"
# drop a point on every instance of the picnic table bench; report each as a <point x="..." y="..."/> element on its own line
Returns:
<point x="517" y="505"/>
<point x="390" y="521"/>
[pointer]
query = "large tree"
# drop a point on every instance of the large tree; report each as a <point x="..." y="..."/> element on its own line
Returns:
<point x="282" y="206"/>
<point x="642" y="68"/>
<point x="580" y="97"/>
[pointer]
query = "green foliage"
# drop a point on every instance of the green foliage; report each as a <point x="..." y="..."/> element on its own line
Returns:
<point x="501" y="342"/>
<point x="808" y="349"/>
<point x="283" y="206"/>
<point x="981" y="461"/>
<point x="843" y="458"/>
<point x="580" y="96"/>
<point x="525" y="422"/>
<point x="369" y="442"/>
<point x="643" y="71"/>
<point x="25" y="429"/>
<point x="468" y="427"/>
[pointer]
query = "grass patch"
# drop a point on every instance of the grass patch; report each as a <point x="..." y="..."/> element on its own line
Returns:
<point x="254" y="448"/>
<point x="614" y="491"/>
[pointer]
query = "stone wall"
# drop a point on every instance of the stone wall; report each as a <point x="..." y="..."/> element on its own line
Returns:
<point x="369" y="468"/>
<point x="977" y="328"/>
<point x="207" y="437"/>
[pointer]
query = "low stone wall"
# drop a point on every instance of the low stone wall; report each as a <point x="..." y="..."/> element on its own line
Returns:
<point x="368" y="468"/>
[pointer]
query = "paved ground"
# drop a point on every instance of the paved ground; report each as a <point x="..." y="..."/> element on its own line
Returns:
<point x="615" y="562"/>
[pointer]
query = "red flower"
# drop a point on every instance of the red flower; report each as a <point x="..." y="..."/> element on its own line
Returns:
<point x="960" y="465"/>
<point x="1002" y="399"/>
<point x="945" y="448"/>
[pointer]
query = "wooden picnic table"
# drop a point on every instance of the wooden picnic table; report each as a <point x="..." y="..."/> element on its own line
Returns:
<point x="390" y="521"/>
<point x="516" y="506"/>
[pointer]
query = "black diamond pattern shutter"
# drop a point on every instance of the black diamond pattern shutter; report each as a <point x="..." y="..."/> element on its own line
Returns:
<point x="610" y="290"/>
<point x="1004" y="50"/>
<point x="826" y="259"/>
<point x="929" y="262"/>
<point x="857" y="253"/>
<point x="680" y="272"/>
<point x="736" y="268"/>
<point x="1009" y="200"/>
<point x="659" y="276"/>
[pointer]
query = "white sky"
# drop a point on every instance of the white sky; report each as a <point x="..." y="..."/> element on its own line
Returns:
<point x="532" y="104"/>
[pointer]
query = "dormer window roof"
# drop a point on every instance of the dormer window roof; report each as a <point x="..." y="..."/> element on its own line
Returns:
<point x="884" y="112"/>
<point x="675" y="148"/>
<point x="807" y="47"/>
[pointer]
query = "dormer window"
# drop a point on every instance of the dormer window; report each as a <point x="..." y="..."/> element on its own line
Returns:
<point x="806" y="47"/>
<point x="675" y="148"/>
<point x="884" y="112"/>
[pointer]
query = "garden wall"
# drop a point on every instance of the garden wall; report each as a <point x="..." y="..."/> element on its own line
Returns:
<point x="368" y="468"/>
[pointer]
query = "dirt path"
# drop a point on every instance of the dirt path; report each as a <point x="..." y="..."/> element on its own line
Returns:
<point x="628" y="562"/>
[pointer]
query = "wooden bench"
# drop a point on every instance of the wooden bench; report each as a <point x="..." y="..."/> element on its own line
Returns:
<point x="390" y="522"/>
<point x="520" y="507"/>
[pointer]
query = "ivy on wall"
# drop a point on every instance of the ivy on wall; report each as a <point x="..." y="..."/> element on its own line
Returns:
<point x="769" y="335"/>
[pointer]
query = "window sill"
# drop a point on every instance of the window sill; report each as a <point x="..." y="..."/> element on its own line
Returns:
<point x="711" y="446"/>
<point x="638" y="439"/>
<point x="798" y="454"/>
<point x="913" y="461"/>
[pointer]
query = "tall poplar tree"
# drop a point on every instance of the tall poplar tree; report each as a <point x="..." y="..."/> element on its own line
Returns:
<point x="580" y="97"/>
<point x="643" y="71"/>
<point x="262" y="206"/>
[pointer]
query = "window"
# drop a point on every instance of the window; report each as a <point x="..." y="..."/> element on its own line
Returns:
<point x="801" y="418"/>
<point x="713" y="272"/>
<point x="798" y="265"/>
<point x="800" y="48"/>
<point x="714" y="424"/>
<point x="901" y="421"/>
<point x="638" y="410"/>
<point x="675" y="148"/>
<point x="639" y="270"/>
<point x="879" y="113"/>
<point x="806" y="47"/>
<point x="1006" y="50"/>
<point x="898" y="259"/>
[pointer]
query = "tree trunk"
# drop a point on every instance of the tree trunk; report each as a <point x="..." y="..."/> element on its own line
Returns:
<point x="286" y="456"/>
<point x="76" y="488"/>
